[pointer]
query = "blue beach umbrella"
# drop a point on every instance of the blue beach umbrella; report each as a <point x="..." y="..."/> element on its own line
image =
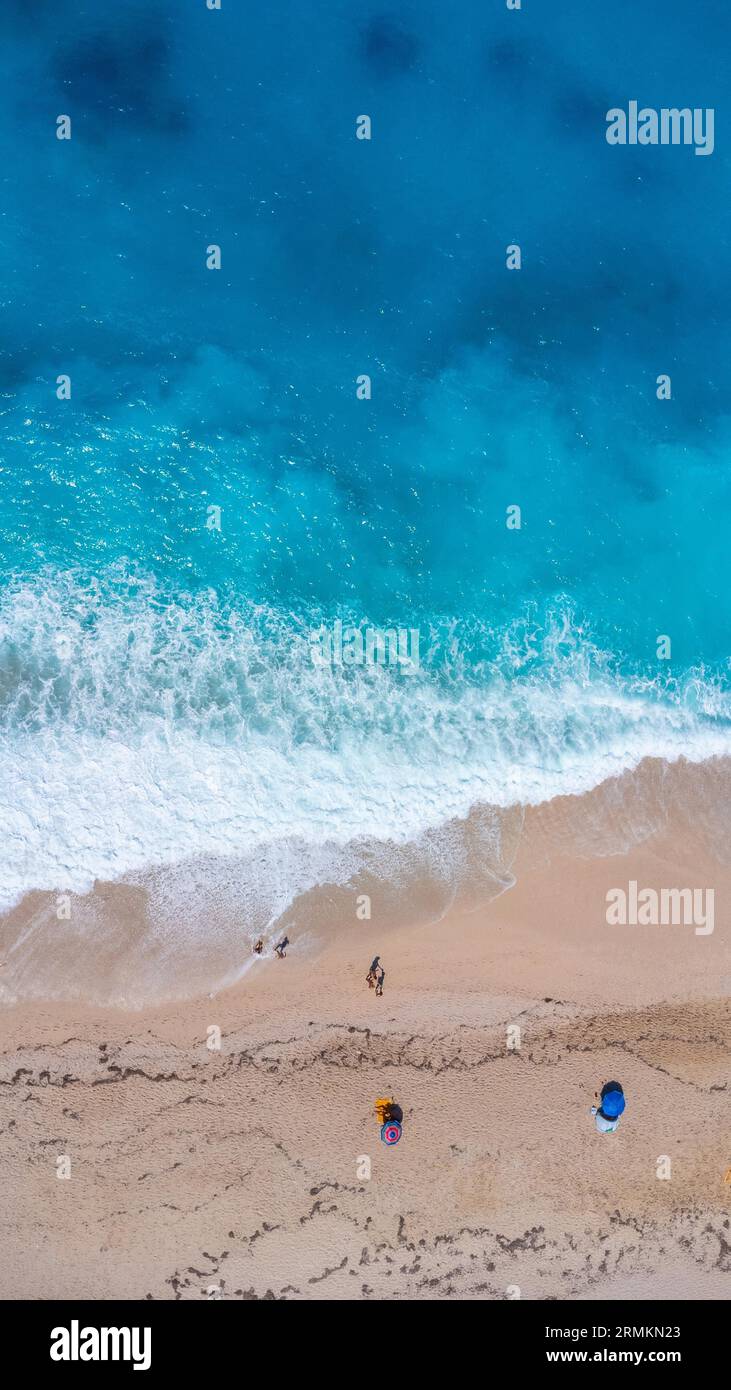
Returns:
<point x="613" y="1104"/>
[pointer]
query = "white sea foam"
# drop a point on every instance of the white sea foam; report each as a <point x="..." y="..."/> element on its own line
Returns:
<point x="141" y="731"/>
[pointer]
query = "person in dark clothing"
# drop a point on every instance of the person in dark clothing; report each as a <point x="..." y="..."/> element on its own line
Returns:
<point x="372" y="975"/>
<point x="280" y="948"/>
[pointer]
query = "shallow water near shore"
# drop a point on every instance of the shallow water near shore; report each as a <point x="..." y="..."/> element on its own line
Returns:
<point x="185" y="929"/>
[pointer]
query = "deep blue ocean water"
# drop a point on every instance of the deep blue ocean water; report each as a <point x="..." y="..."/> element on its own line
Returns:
<point x="157" y="693"/>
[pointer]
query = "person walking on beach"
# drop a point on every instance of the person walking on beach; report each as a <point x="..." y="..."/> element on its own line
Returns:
<point x="380" y="977"/>
<point x="611" y="1104"/>
<point x="259" y="947"/>
<point x="281" y="947"/>
<point x="371" y="976"/>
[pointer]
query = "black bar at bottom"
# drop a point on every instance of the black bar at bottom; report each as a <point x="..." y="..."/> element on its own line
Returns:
<point x="160" y="1338"/>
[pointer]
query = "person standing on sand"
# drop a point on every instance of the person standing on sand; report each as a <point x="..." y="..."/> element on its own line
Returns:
<point x="611" y="1104"/>
<point x="380" y="977"/>
<point x="371" y="976"/>
<point x="281" y="947"/>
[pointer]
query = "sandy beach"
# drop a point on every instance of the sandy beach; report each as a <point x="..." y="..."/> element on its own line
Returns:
<point x="239" y="1172"/>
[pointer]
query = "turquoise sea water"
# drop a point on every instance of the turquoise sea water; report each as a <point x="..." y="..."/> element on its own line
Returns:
<point x="158" y="698"/>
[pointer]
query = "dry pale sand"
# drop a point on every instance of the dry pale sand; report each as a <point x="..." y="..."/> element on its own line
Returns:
<point x="241" y="1169"/>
